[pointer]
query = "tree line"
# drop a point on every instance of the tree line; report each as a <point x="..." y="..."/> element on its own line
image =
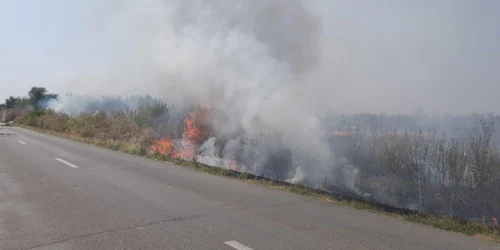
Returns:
<point x="33" y="99"/>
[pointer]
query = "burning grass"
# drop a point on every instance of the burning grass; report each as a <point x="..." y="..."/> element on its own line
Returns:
<point x="195" y="133"/>
<point x="487" y="229"/>
<point x="396" y="170"/>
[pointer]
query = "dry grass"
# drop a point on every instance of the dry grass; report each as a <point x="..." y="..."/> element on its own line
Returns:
<point x="386" y="155"/>
<point x="440" y="222"/>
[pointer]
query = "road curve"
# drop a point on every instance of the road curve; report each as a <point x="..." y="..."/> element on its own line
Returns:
<point x="60" y="194"/>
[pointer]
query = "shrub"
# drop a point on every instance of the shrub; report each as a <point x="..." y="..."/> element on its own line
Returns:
<point x="53" y="121"/>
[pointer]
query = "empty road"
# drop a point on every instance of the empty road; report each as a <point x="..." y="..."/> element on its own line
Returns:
<point x="60" y="194"/>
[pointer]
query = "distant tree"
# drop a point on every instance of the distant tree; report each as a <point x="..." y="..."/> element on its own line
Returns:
<point x="23" y="102"/>
<point x="51" y="96"/>
<point x="37" y="94"/>
<point x="12" y="102"/>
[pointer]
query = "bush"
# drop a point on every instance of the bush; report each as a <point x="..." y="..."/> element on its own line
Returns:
<point x="53" y="121"/>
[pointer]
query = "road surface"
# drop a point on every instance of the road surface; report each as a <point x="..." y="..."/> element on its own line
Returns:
<point x="60" y="194"/>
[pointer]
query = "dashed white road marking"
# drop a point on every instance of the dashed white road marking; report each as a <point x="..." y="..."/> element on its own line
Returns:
<point x="237" y="245"/>
<point x="24" y="143"/>
<point x="67" y="163"/>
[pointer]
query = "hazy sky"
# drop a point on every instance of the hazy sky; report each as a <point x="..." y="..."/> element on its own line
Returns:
<point x="377" y="55"/>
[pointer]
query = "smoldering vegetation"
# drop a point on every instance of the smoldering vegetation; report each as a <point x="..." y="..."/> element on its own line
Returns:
<point x="438" y="164"/>
<point x="443" y="164"/>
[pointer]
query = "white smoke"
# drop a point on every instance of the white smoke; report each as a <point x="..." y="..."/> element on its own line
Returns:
<point x="248" y="59"/>
<point x="297" y="177"/>
<point x="75" y="104"/>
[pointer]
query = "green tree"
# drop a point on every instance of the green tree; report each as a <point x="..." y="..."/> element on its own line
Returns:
<point x="37" y="94"/>
<point x="12" y="102"/>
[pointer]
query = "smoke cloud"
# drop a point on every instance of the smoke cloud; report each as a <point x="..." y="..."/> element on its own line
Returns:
<point x="265" y="66"/>
<point x="249" y="60"/>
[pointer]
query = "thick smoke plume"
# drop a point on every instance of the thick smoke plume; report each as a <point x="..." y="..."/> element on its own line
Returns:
<point x="242" y="91"/>
<point x="246" y="60"/>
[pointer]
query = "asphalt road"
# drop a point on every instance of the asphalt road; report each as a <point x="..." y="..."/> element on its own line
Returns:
<point x="60" y="194"/>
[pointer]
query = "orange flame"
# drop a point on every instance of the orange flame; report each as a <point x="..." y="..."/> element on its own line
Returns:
<point x="195" y="133"/>
<point x="165" y="146"/>
<point x="340" y="133"/>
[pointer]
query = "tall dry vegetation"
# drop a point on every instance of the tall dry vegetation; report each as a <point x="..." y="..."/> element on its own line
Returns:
<point x="456" y="173"/>
<point x="427" y="171"/>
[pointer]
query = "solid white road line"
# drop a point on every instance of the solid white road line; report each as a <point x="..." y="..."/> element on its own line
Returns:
<point x="67" y="163"/>
<point x="24" y="143"/>
<point x="237" y="245"/>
